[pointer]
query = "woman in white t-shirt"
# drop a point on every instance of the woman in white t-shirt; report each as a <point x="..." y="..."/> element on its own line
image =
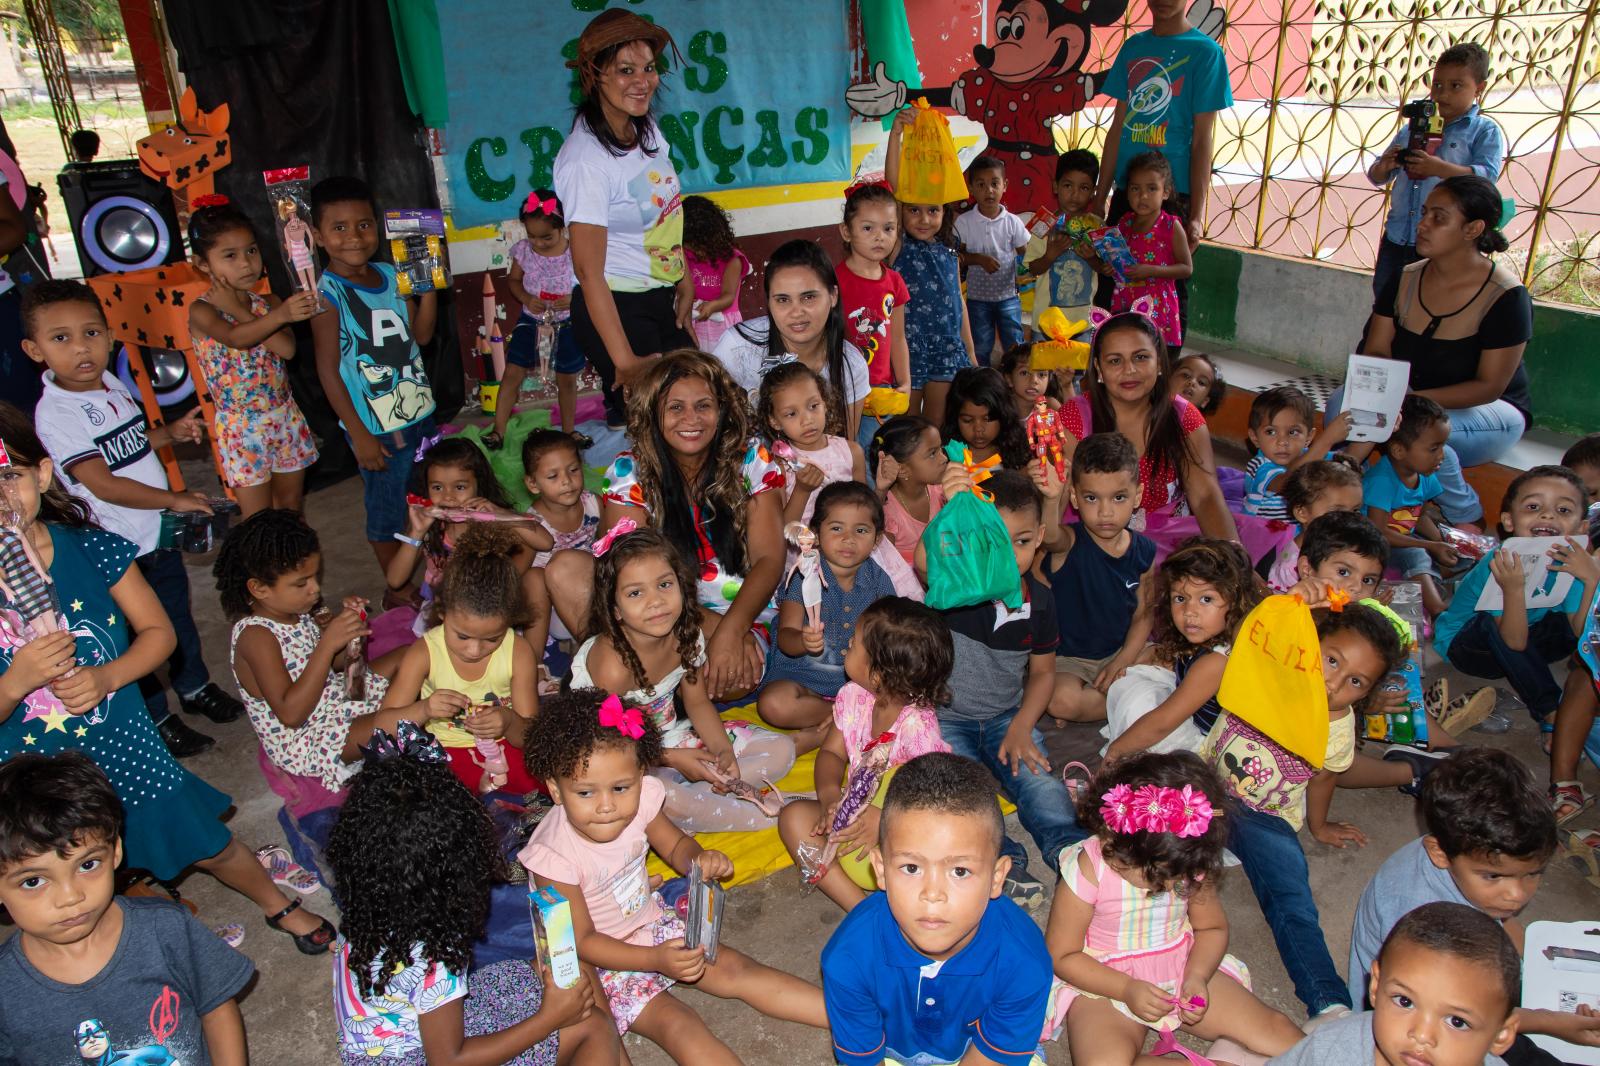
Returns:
<point x="624" y="211"/>
<point x="803" y="299"/>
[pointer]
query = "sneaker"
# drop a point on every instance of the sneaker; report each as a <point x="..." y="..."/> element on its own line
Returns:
<point x="1465" y="712"/>
<point x="1323" y="1017"/>
<point x="213" y="703"/>
<point x="182" y="741"/>
<point x="1025" y="889"/>
<point x="1422" y="764"/>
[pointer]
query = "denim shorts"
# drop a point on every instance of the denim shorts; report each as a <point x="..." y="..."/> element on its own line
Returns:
<point x="384" y="491"/>
<point x="937" y="365"/>
<point x="523" y="347"/>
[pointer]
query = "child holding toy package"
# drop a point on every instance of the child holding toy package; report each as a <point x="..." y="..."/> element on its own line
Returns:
<point x="1137" y="929"/>
<point x="1066" y="278"/>
<point x="898" y="662"/>
<point x="242" y="339"/>
<point x="717" y="267"/>
<point x="593" y="752"/>
<point x="649" y="643"/>
<point x="541" y="279"/>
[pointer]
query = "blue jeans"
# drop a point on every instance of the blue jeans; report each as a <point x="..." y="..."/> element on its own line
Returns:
<point x="384" y="491"/>
<point x="990" y="317"/>
<point x="1479" y="650"/>
<point x="1269" y="850"/>
<point x="186" y="669"/>
<point x="1044" y="805"/>
<point x="1478" y="435"/>
<point x="869" y="426"/>
<point x="1392" y="258"/>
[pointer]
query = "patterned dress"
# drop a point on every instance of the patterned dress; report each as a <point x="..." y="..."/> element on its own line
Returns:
<point x="259" y="428"/>
<point x="172" y="815"/>
<point x="315" y="747"/>
<point x="1143" y="934"/>
<point x="1152" y="249"/>
<point x="581" y="537"/>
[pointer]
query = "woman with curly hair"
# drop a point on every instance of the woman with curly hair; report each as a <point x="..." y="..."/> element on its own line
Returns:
<point x="717" y="267"/>
<point x="646" y="641"/>
<point x="592" y="750"/>
<point x="1137" y="930"/>
<point x="414" y="855"/>
<point x="1168" y="698"/>
<point x="699" y="475"/>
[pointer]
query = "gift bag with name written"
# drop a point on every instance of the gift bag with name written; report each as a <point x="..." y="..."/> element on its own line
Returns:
<point x="969" y="556"/>
<point x="930" y="171"/>
<point x="1273" y="680"/>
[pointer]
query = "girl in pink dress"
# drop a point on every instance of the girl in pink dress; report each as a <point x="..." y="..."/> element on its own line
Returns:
<point x="1138" y="936"/>
<point x="899" y="664"/>
<point x="717" y="268"/>
<point x="1158" y="243"/>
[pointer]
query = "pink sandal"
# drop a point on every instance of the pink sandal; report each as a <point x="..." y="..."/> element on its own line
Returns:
<point x="285" y="872"/>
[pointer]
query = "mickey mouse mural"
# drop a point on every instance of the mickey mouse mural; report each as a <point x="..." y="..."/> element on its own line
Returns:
<point x="1030" y="75"/>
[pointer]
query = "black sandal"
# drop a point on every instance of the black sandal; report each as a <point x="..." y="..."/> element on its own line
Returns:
<point x="316" y="942"/>
<point x="493" y="441"/>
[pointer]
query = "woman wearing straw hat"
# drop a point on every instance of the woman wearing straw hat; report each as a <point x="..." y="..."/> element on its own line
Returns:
<point x="625" y="221"/>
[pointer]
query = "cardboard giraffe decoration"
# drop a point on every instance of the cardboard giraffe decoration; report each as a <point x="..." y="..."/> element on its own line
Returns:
<point x="186" y="156"/>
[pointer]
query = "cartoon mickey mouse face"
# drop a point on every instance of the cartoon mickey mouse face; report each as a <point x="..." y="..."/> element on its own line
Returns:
<point x="1035" y="38"/>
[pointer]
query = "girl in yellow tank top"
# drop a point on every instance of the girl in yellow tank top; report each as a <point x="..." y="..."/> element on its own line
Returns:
<point x="473" y="662"/>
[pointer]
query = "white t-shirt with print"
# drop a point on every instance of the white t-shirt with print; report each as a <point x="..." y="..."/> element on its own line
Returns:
<point x="743" y="359"/>
<point x="106" y="423"/>
<point x="636" y="198"/>
<point x="998" y="237"/>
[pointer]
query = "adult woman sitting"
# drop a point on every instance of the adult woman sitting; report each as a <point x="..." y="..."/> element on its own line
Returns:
<point x="623" y="209"/>
<point x="698" y="475"/>
<point x="1126" y="390"/>
<point x="803" y="302"/>
<point x="1462" y="320"/>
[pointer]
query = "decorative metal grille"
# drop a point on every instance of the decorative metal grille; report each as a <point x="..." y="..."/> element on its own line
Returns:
<point x="1318" y="85"/>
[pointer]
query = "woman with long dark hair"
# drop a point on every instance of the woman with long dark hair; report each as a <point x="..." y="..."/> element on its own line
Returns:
<point x="698" y="474"/>
<point x="624" y="216"/>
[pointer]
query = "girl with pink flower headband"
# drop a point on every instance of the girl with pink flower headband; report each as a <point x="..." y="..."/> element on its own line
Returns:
<point x="1138" y="934"/>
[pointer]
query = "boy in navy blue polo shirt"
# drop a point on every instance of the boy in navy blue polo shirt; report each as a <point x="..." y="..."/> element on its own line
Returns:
<point x="1102" y="574"/>
<point x="938" y="967"/>
<point x="1471" y="144"/>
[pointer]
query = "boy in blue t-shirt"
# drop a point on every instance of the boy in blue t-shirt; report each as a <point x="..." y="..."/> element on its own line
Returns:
<point x="1280" y="428"/>
<point x="1395" y="488"/>
<point x="1520" y="642"/>
<point x="937" y="968"/>
<point x="367" y="356"/>
<point x="1169" y="83"/>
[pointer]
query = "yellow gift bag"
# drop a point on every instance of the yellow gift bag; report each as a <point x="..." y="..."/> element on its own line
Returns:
<point x="1273" y="679"/>
<point x="930" y="172"/>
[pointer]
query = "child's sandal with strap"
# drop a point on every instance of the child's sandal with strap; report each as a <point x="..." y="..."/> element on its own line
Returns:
<point x="1582" y="846"/>
<point x="315" y="942"/>
<point x="1568" y="799"/>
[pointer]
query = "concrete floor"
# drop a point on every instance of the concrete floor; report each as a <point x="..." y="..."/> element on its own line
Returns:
<point x="288" y="1011"/>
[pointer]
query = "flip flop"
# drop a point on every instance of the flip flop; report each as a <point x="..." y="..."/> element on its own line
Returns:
<point x="231" y="933"/>
<point x="1076" y="776"/>
<point x="285" y="872"/>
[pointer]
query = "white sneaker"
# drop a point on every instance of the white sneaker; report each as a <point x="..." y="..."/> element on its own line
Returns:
<point x="1326" y="1015"/>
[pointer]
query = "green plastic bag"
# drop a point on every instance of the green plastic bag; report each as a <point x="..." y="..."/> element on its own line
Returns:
<point x="969" y="556"/>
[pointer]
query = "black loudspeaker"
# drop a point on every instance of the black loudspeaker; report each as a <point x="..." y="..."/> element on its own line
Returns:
<point x="121" y="219"/>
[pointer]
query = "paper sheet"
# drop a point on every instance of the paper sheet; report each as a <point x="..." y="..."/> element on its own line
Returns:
<point x="1373" y="391"/>
<point x="1544" y="587"/>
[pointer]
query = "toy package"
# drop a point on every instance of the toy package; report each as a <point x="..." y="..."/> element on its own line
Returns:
<point x="1408" y="726"/>
<point x="416" y="242"/>
<point x="289" y="193"/>
<point x="861" y="785"/>
<point x="1112" y="248"/>
<point x="196" y="533"/>
<point x="703" y="923"/>
<point x="1468" y="545"/>
<point x="553" y="935"/>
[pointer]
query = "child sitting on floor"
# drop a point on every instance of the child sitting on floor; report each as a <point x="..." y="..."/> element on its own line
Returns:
<point x="980" y="413"/>
<point x="806" y="667"/>
<point x="1002" y="682"/>
<point x="414" y="906"/>
<point x="90" y="977"/>
<point x="472" y="674"/>
<point x="899" y="663"/>
<point x="1028" y="386"/>
<point x="1444" y="990"/>
<point x="907" y="462"/>
<point x="1196" y="377"/>
<point x="1278" y="792"/>
<point x="1313" y="490"/>
<point x="938" y="968"/>
<point x="1167" y="701"/>
<point x="567" y="513"/>
<point x="1280" y="429"/>
<point x="1489" y="837"/>
<point x="1138" y="935"/>
<point x="592" y="752"/>
<point x="1580" y="701"/>
<point x="649" y="645"/>
<point x="291" y="671"/>
<point x="1395" y="488"/>
<point x="1102" y="573"/>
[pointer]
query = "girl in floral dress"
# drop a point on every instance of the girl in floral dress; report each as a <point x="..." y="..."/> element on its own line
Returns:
<point x="1159" y="246"/>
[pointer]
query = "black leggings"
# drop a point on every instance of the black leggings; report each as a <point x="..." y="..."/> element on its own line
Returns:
<point x="648" y="321"/>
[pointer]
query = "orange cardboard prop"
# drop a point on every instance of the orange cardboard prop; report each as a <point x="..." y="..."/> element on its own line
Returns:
<point x="187" y="156"/>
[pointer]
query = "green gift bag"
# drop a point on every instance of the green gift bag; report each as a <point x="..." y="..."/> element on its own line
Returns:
<point x="969" y="556"/>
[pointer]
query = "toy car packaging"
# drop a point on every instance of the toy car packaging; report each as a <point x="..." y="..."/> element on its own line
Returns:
<point x="416" y="241"/>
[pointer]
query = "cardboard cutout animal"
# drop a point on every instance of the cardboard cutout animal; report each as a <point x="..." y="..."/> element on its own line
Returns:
<point x="186" y="156"/>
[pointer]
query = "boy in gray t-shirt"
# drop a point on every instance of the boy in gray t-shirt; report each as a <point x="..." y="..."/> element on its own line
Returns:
<point x="1444" y="991"/>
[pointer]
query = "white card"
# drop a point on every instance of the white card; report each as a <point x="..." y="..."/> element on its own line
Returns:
<point x="1544" y="587"/>
<point x="1373" y="391"/>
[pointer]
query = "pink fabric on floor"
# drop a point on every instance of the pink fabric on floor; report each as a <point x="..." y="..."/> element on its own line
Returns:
<point x="1258" y="536"/>
<point x="301" y="795"/>
<point x="390" y="630"/>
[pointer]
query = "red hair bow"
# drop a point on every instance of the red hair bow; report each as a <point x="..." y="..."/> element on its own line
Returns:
<point x="210" y="199"/>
